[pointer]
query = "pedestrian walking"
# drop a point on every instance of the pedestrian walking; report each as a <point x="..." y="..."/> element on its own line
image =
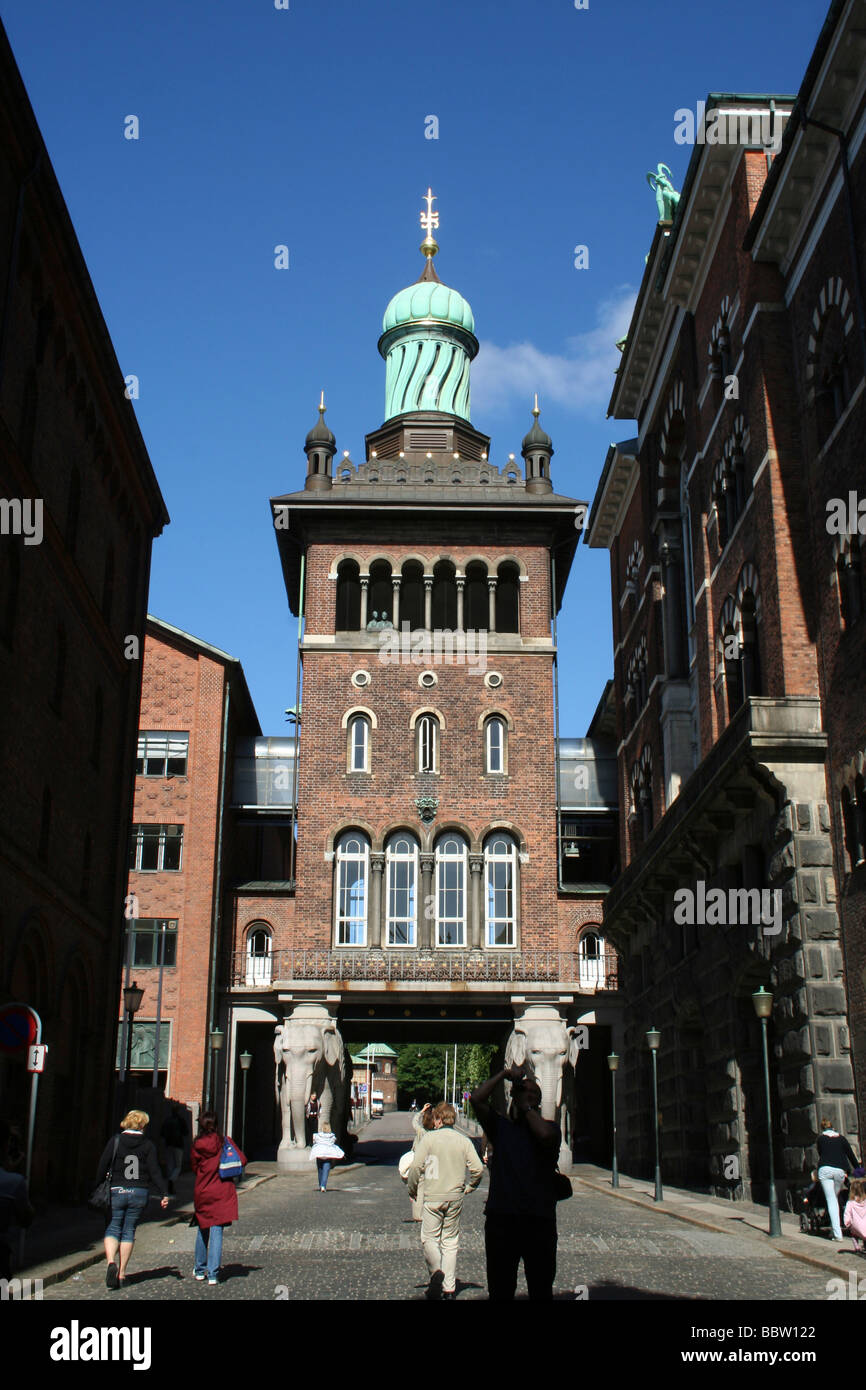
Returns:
<point x="835" y="1160"/>
<point x="173" y="1134"/>
<point x="15" y="1209"/>
<point x="520" y="1212"/>
<point x="325" y="1151"/>
<point x="131" y="1163"/>
<point x="855" y="1213"/>
<point x="422" y="1123"/>
<point x="443" y="1156"/>
<point x="215" y="1199"/>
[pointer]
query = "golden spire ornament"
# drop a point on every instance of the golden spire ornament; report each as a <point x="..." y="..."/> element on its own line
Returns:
<point x="429" y="224"/>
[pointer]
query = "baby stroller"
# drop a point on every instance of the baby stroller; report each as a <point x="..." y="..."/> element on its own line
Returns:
<point x="810" y="1205"/>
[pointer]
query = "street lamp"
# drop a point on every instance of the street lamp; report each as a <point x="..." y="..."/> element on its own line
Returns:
<point x="763" y="1002"/>
<point x="217" y="1038"/>
<point x="246" y="1061"/>
<point x="653" y="1038"/>
<point x="132" y="997"/>
<point x="613" y="1063"/>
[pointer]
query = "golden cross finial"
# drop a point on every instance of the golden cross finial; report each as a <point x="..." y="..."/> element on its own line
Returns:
<point x="429" y="219"/>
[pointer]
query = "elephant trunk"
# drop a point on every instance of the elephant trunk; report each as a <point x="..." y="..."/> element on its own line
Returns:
<point x="548" y="1074"/>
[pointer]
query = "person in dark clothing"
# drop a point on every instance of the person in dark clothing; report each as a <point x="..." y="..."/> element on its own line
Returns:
<point x="215" y="1198"/>
<point x="520" y="1222"/>
<point x="836" y="1159"/>
<point x="16" y="1212"/>
<point x="134" y="1170"/>
<point x="173" y="1134"/>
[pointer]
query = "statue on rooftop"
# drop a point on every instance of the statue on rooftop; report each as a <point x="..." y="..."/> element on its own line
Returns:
<point x="667" y="197"/>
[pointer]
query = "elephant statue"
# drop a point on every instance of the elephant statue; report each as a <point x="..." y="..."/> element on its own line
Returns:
<point x="309" y="1055"/>
<point x="549" y="1050"/>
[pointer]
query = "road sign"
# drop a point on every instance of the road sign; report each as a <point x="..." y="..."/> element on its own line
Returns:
<point x="362" y="1089"/>
<point x="17" y="1027"/>
<point x="36" y="1057"/>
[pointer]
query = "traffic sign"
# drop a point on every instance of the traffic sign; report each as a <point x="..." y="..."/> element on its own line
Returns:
<point x="36" y="1057"/>
<point x="362" y="1089"/>
<point x="17" y="1027"/>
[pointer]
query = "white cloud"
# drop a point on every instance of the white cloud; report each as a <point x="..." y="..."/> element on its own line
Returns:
<point x="580" y="378"/>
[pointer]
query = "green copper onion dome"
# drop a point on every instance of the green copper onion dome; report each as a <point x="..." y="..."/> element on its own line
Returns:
<point x="428" y="341"/>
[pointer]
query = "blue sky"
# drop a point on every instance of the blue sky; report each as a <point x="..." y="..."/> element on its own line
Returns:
<point x="305" y="127"/>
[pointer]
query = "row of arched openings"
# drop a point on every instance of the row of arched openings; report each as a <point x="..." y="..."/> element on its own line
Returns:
<point x="477" y="600"/>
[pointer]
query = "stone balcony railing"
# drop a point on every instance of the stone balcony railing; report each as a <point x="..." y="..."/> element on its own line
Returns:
<point x="589" y="975"/>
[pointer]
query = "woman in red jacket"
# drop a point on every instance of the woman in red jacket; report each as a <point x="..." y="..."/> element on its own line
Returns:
<point x="216" y="1201"/>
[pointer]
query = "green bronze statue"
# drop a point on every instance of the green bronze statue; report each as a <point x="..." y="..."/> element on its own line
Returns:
<point x="667" y="196"/>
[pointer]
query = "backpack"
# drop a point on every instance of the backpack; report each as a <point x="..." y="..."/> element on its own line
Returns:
<point x="231" y="1163"/>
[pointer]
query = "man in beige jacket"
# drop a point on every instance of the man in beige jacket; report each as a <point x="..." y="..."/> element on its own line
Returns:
<point x="442" y="1158"/>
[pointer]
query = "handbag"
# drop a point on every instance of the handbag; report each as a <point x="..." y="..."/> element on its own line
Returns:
<point x="562" y="1187"/>
<point x="100" y="1197"/>
<point x="231" y="1163"/>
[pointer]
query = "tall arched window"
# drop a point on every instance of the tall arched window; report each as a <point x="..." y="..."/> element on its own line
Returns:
<point x="508" y="597"/>
<point x="494" y="745"/>
<point x="381" y="594"/>
<point x="359" y="744"/>
<point x="750" y="663"/>
<point x="444" y="596"/>
<point x="590" y="960"/>
<point x="476" y="606"/>
<point x="428" y="743"/>
<point x="412" y="595"/>
<point x="451" y="861"/>
<point x="500" y="891"/>
<point x="401" y="866"/>
<point x="348" y="615"/>
<point x="352" y="876"/>
<point x="259" y="964"/>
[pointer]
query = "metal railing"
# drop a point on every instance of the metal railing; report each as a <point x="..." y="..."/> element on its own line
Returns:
<point x="556" y="967"/>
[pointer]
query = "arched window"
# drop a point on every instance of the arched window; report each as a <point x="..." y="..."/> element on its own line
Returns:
<point x="849" y="575"/>
<point x="352" y="875"/>
<point x="476" y="607"/>
<point x="500" y="891"/>
<point x="359" y="744"/>
<point x="348" y="615"/>
<point x="428" y="743"/>
<point x="412" y="595"/>
<point x="381" y="596"/>
<point x="750" y="663"/>
<point x="508" y="598"/>
<point x="451" y="861"/>
<point x="259" y="963"/>
<point x="494" y="745"/>
<point x="590" y="960"/>
<point x="444" y="596"/>
<point x="401" y="867"/>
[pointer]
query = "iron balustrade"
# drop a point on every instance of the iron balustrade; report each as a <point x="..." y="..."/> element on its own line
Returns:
<point x="346" y="963"/>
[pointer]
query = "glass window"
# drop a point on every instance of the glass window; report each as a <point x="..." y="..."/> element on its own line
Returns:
<point x="495" y="745"/>
<point x="500" y="877"/>
<point x="154" y="941"/>
<point x="590" y="960"/>
<point x="259" y="958"/>
<point x="401" y="862"/>
<point x="451" y="891"/>
<point x="353" y="857"/>
<point x="156" y="848"/>
<point x="428" y="729"/>
<point x="358" y="744"/>
<point x="162" y="754"/>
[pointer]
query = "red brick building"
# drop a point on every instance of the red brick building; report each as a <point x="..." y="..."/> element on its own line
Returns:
<point x="184" y="859"/>
<point x="734" y="676"/>
<point x="73" y="584"/>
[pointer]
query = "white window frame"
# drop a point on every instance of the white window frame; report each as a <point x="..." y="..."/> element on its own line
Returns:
<point x="140" y="826"/>
<point x="495" y="721"/>
<point x="259" y="966"/>
<point x="356" y="746"/>
<point x="590" y="969"/>
<point x="171" y="744"/>
<point x="491" y="923"/>
<point x="393" y="858"/>
<point x="428" y="743"/>
<point x="343" y="894"/>
<point x="458" y="920"/>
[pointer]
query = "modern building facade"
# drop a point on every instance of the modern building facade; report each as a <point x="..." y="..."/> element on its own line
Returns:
<point x="79" y="507"/>
<point x="735" y="635"/>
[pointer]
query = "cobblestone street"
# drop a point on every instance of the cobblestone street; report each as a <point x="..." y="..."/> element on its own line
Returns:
<point x="357" y="1242"/>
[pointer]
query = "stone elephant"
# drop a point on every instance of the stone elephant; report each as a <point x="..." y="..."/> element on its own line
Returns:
<point x="309" y="1055"/>
<point x="549" y="1050"/>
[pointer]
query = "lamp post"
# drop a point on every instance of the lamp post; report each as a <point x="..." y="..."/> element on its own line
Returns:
<point x="132" y="997"/>
<point x="653" y="1038"/>
<point x="763" y="1002"/>
<point x="246" y="1061"/>
<point x="613" y="1063"/>
<point x="217" y="1038"/>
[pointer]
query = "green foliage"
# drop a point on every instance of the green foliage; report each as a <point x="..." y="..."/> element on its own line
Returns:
<point x="421" y="1070"/>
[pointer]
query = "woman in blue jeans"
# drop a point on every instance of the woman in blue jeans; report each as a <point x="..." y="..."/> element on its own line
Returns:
<point x="216" y="1200"/>
<point x="134" y="1169"/>
<point x="836" y="1159"/>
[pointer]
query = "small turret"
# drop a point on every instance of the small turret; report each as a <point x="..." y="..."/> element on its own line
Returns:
<point x="320" y="447"/>
<point x="537" y="450"/>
